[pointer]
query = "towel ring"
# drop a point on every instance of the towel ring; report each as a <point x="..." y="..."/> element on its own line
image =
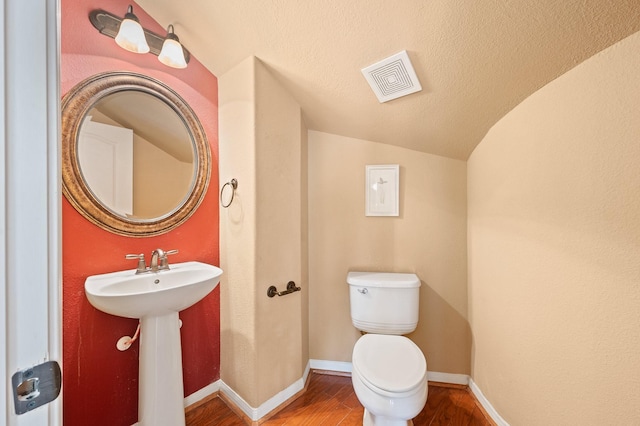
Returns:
<point x="233" y="183"/>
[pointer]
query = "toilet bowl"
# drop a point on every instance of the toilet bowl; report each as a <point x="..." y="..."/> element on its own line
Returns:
<point x="389" y="372"/>
<point x="390" y="379"/>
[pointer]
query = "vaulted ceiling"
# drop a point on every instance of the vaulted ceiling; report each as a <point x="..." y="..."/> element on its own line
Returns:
<point x="476" y="60"/>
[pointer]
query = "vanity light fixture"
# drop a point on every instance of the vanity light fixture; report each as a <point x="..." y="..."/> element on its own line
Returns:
<point x="172" y="54"/>
<point x="112" y="25"/>
<point x="131" y="35"/>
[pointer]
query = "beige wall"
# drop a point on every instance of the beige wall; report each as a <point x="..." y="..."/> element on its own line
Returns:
<point x="428" y="238"/>
<point x="304" y="234"/>
<point x="261" y="234"/>
<point x="160" y="181"/>
<point x="554" y="249"/>
<point x="238" y="292"/>
<point x="279" y="238"/>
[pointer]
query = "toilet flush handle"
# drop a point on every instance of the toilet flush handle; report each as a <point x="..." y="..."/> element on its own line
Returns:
<point x="363" y="290"/>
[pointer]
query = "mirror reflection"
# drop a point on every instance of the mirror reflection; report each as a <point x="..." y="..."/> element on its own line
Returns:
<point x="136" y="155"/>
<point x="135" y="158"/>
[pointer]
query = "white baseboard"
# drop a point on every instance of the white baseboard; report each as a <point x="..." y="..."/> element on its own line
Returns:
<point x="322" y="364"/>
<point x="251" y="412"/>
<point x="432" y="376"/>
<point x="345" y="367"/>
<point x="338" y="366"/>
<point x="486" y="404"/>
<point x="210" y="389"/>
<point x="248" y="410"/>
<point x="454" y="379"/>
<point x="281" y="397"/>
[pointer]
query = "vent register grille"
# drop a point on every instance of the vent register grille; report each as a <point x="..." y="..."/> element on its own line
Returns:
<point x="392" y="77"/>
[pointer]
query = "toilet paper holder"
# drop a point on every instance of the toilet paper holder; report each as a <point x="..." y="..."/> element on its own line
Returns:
<point x="291" y="287"/>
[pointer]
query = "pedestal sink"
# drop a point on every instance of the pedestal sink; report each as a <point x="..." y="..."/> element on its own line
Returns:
<point x="156" y="298"/>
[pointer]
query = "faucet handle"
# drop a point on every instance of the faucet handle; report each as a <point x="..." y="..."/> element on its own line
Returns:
<point x="164" y="263"/>
<point x="142" y="266"/>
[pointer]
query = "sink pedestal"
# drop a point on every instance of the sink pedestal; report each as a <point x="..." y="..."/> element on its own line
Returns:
<point x="156" y="298"/>
<point x="161" y="394"/>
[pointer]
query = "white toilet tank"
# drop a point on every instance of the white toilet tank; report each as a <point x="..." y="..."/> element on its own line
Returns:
<point x="384" y="302"/>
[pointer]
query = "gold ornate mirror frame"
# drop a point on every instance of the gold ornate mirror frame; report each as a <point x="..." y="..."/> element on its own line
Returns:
<point x="75" y="106"/>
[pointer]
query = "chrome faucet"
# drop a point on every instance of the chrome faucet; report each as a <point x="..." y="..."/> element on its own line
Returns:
<point x="155" y="255"/>
<point x="159" y="261"/>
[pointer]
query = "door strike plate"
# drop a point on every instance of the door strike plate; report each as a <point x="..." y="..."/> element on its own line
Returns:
<point x="36" y="386"/>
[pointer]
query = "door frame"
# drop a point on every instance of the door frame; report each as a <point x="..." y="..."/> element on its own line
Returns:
<point x="30" y="199"/>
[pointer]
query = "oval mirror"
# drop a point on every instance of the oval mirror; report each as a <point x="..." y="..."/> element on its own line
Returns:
<point x="135" y="159"/>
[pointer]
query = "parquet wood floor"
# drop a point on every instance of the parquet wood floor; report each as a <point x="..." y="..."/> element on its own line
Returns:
<point x="330" y="401"/>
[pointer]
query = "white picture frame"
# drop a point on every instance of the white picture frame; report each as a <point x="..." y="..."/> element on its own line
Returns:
<point x="382" y="192"/>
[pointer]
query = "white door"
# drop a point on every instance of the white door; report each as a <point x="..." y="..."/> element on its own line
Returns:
<point x="30" y="197"/>
<point x="105" y="154"/>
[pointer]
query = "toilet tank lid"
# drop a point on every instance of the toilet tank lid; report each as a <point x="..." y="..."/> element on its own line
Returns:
<point x="383" y="279"/>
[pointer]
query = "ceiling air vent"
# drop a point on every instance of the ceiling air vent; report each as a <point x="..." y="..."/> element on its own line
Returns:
<point x="393" y="77"/>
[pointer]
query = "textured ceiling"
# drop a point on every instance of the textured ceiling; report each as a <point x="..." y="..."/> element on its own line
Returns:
<point x="476" y="59"/>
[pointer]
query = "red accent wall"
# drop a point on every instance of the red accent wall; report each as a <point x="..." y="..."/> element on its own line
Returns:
<point x="100" y="383"/>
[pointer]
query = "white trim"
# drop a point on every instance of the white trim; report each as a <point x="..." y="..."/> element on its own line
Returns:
<point x="322" y="364"/>
<point x="346" y="367"/>
<point x="282" y="396"/>
<point x="54" y="193"/>
<point x="238" y="401"/>
<point x="201" y="394"/>
<point x="433" y="376"/>
<point x="256" y="414"/>
<point x="486" y="404"/>
<point x="251" y="412"/>
<point x="5" y="388"/>
<point x="454" y="379"/>
<point x="31" y="199"/>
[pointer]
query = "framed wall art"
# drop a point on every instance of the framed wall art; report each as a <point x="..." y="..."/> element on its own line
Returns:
<point x="383" y="190"/>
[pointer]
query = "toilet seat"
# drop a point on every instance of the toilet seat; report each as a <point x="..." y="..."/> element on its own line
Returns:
<point x="389" y="364"/>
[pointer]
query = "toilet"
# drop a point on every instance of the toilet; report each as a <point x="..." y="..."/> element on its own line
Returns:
<point x="389" y="371"/>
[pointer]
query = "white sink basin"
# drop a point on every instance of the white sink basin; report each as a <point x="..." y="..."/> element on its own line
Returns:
<point x="156" y="298"/>
<point x="152" y="294"/>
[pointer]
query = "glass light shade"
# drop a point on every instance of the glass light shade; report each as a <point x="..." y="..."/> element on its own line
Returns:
<point x="131" y="37"/>
<point x="172" y="54"/>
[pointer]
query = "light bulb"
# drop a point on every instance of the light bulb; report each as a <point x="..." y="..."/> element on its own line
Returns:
<point x="131" y="35"/>
<point x="172" y="54"/>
